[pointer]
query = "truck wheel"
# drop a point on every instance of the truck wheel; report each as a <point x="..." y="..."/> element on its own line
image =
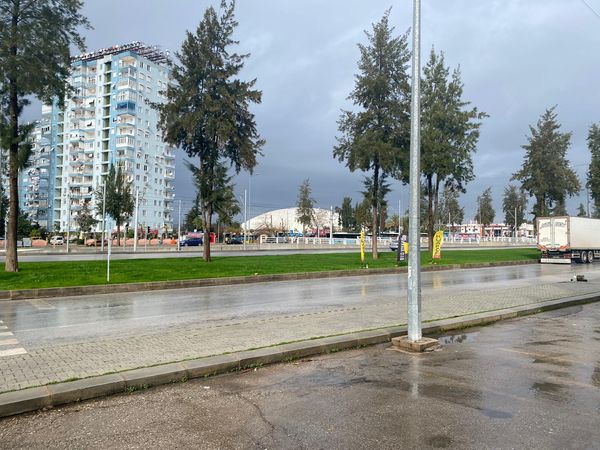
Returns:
<point x="590" y="256"/>
<point x="583" y="258"/>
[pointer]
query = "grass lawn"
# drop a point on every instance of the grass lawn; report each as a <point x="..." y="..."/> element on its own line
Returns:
<point x="81" y="273"/>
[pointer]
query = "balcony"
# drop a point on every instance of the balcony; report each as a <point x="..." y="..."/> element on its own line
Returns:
<point x="126" y="84"/>
<point x="126" y="107"/>
<point x="126" y="141"/>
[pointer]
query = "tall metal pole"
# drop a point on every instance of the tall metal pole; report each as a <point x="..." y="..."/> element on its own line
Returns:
<point x="245" y="217"/>
<point x="103" y="216"/>
<point x="108" y="257"/>
<point x="179" y="227"/>
<point x="135" y="220"/>
<point x="414" y="253"/>
<point x="68" y="218"/>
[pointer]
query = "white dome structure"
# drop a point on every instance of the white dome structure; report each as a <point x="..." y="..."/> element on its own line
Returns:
<point x="285" y="220"/>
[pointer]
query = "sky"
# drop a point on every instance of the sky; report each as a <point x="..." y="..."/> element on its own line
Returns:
<point x="517" y="58"/>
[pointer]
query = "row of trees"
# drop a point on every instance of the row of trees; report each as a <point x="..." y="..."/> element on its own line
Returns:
<point x="206" y="113"/>
<point x="375" y="138"/>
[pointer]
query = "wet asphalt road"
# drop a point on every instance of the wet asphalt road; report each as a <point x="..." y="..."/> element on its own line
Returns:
<point x="532" y="382"/>
<point x="39" y="323"/>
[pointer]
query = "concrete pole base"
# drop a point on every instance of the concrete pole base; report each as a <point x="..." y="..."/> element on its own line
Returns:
<point x="422" y="345"/>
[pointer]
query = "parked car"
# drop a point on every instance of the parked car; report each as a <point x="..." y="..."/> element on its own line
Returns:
<point x="191" y="242"/>
<point x="236" y="240"/>
<point x="57" y="240"/>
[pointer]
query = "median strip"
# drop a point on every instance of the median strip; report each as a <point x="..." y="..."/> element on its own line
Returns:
<point x="70" y="291"/>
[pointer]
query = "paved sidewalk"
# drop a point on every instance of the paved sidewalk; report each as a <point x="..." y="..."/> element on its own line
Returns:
<point x="61" y="362"/>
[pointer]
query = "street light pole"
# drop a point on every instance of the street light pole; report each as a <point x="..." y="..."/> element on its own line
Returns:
<point x="414" y="253"/>
<point x="103" y="216"/>
<point x="245" y="217"/>
<point x="179" y="228"/>
<point x="68" y="219"/>
<point x="135" y="220"/>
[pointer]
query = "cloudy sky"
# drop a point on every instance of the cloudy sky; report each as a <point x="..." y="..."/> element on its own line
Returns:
<point x="517" y="58"/>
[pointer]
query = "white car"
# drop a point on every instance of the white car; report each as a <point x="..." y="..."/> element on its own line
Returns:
<point x="57" y="240"/>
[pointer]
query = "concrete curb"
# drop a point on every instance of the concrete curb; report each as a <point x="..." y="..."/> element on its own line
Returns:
<point x="70" y="291"/>
<point x="53" y="395"/>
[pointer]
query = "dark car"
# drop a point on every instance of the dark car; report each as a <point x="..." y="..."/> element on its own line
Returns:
<point x="191" y="242"/>
<point x="236" y="240"/>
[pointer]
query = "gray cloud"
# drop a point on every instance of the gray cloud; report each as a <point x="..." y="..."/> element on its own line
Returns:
<point x="517" y="58"/>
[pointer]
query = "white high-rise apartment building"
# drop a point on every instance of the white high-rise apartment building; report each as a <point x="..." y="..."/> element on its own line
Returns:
<point x="107" y="121"/>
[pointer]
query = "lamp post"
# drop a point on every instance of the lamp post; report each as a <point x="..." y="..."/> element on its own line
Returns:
<point x="414" y="341"/>
<point x="414" y="253"/>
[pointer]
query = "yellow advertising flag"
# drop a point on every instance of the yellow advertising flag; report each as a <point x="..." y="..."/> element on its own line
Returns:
<point x="438" y="238"/>
<point x="362" y="247"/>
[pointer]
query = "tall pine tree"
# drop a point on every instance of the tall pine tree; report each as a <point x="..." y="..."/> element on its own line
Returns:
<point x="35" y="41"/>
<point x="593" y="176"/>
<point x="514" y="205"/>
<point x="546" y="174"/>
<point x="485" y="208"/>
<point x="207" y="108"/>
<point x="375" y="139"/>
<point x="305" y="206"/>
<point x="119" y="199"/>
<point x="449" y="135"/>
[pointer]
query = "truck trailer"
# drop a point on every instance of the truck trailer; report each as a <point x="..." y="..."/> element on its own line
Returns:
<point x="563" y="240"/>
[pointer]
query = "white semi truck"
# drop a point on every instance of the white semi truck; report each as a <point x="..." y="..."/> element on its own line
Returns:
<point x="567" y="239"/>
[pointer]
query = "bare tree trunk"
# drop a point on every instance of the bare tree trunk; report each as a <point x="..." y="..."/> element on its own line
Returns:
<point x="375" y="202"/>
<point x="118" y="234"/>
<point x="12" y="264"/>
<point x="206" y="238"/>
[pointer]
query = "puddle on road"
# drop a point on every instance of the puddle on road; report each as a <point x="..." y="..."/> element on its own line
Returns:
<point x="457" y="338"/>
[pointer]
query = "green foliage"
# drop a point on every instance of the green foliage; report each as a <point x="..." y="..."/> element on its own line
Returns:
<point x="514" y="199"/>
<point x="24" y="226"/>
<point x="207" y="110"/>
<point x="305" y="205"/>
<point x="35" y="41"/>
<point x="375" y="194"/>
<point x="193" y="218"/>
<point x="449" y="135"/>
<point x="363" y="214"/>
<point x="346" y="214"/>
<point x="485" y="208"/>
<point x="581" y="212"/>
<point x="85" y="220"/>
<point x="546" y="174"/>
<point x="119" y="199"/>
<point x="375" y="139"/>
<point x="217" y="191"/>
<point x="450" y="211"/>
<point x="593" y="176"/>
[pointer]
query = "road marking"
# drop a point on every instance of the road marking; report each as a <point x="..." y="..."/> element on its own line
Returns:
<point x="13" y="352"/>
<point x="9" y="342"/>
<point x="6" y="334"/>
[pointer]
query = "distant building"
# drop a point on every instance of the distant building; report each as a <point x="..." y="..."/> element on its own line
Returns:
<point x="108" y="120"/>
<point x="285" y="221"/>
